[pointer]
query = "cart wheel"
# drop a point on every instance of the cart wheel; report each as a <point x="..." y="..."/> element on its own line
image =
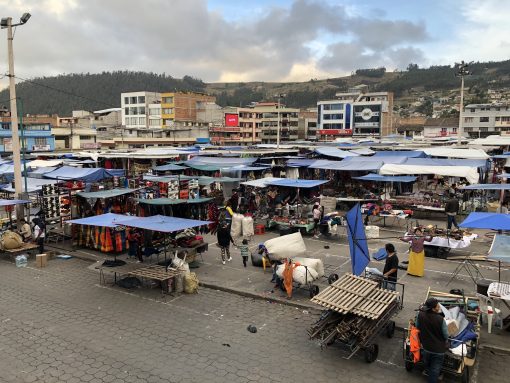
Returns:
<point x="390" y="329"/>
<point x="332" y="278"/>
<point x="314" y="290"/>
<point x="371" y="353"/>
<point x="465" y="375"/>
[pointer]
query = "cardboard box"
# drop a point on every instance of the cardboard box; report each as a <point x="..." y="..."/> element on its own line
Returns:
<point x="453" y="328"/>
<point x="41" y="260"/>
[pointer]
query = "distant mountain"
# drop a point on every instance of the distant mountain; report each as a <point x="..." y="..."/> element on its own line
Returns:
<point x="65" y="93"/>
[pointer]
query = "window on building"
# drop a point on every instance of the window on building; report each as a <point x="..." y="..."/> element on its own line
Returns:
<point x="469" y="119"/>
<point x="141" y="121"/>
<point x="333" y="116"/>
<point x="484" y="119"/>
<point x="484" y="129"/>
<point x="141" y="99"/>
<point x="472" y="110"/>
<point x="333" y="106"/>
<point x="167" y="100"/>
<point x="133" y="100"/>
<point x="454" y="130"/>
<point x="126" y="100"/>
<point x="141" y="110"/>
<point x="126" y="111"/>
<point x="497" y="118"/>
<point x="86" y="138"/>
<point x="167" y="110"/>
<point x="40" y="141"/>
<point x="154" y="111"/>
<point x="505" y="118"/>
<point x="155" y="122"/>
<point x="133" y="110"/>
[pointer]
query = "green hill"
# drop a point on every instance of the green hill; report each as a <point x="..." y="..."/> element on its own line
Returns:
<point x="64" y="93"/>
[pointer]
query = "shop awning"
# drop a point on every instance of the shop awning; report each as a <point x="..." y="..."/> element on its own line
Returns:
<point x="450" y="152"/>
<point x="170" y="201"/>
<point x="220" y="162"/>
<point x="44" y="163"/>
<point x="209" y="180"/>
<point x="204" y="167"/>
<point x="297" y="163"/>
<point x="500" y="249"/>
<point x="106" y="193"/>
<point x="169" y="167"/>
<point x="470" y="173"/>
<point x="334" y="152"/>
<point x="103" y="220"/>
<point x="347" y="166"/>
<point x="381" y="178"/>
<point x="261" y="182"/>
<point x="363" y="151"/>
<point x="83" y="174"/>
<point x="446" y="162"/>
<point x="33" y="184"/>
<point x="246" y="168"/>
<point x="297" y="183"/>
<point x="492" y="221"/>
<point x="163" y="223"/>
<point x="487" y="187"/>
<point x="11" y="202"/>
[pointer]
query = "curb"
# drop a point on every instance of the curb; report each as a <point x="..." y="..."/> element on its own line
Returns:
<point x="492" y="347"/>
<point x="248" y="294"/>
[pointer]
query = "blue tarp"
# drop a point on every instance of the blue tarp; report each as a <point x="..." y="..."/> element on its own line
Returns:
<point x="446" y="162"/>
<point x="384" y="160"/>
<point x="493" y="221"/>
<point x="500" y="249"/>
<point x="360" y="257"/>
<point x="83" y="174"/>
<point x="297" y="163"/>
<point x="10" y="202"/>
<point x="333" y="152"/>
<point x="103" y="220"/>
<point x="346" y="165"/>
<point x="246" y="168"/>
<point x="297" y="183"/>
<point x="33" y="184"/>
<point x="221" y="162"/>
<point x="487" y="187"/>
<point x="380" y="178"/>
<point x="169" y="167"/>
<point x="116" y="172"/>
<point x="401" y="153"/>
<point x="163" y="223"/>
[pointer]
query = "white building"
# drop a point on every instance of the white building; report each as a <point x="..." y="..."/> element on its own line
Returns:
<point x="482" y="120"/>
<point x="136" y="108"/>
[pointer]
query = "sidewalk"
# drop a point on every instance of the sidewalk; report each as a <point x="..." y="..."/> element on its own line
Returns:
<point x="255" y="283"/>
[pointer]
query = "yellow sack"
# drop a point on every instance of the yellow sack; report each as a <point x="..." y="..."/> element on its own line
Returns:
<point x="10" y="240"/>
<point x="190" y="283"/>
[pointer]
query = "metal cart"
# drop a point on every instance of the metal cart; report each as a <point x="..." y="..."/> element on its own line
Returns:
<point x="358" y="310"/>
<point x="312" y="288"/>
<point x="453" y="364"/>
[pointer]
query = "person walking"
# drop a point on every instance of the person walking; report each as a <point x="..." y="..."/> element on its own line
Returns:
<point x="433" y="338"/>
<point x="39" y="233"/>
<point x="245" y="251"/>
<point x="224" y="240"/>
<point x="416" y="266"/>
<point x="451" y="209"/>
<point x="390" y="270"/>
<point x="317" y="215"/>
<point x="503" y="208"/>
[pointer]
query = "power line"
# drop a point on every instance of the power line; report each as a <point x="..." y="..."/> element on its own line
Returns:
<point x="65" y="92"/>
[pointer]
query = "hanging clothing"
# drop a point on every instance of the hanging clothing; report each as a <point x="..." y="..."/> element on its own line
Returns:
<point x="414" y="343"/>
<point x="288" y="274"/>
<point x="416" y="266"/>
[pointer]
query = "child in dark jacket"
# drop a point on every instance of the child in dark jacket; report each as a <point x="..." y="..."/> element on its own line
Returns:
<point x="245" y="251"/>
<point x="224" y="239"/>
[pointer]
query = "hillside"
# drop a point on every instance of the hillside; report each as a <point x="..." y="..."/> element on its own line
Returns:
<point x="64" y="93"/>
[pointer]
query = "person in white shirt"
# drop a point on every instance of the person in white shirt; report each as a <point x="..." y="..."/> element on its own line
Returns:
<point x="39" y="233"/>
<point x="503" y="208"/>
<point x="317" y="215"/>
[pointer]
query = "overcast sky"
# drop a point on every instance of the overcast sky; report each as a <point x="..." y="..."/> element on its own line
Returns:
<point x="237" y="40"/>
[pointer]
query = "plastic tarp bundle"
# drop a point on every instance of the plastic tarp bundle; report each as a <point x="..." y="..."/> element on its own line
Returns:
<point x="286" y="246"/>
<point x="163" y="223"/>
<point x="360" y="257"/>
<point x="456" y="153"/>
<point x="314" y="263"/>
<point x="83" y="174"/>
<point x="297" y="183"/>
<point x="493" y="221"/>
<point x="470" y="173"/>
<point x="401" y="153"/>
<point x="236" y="229"/>
<point x="247" y="226"/>
<point x="300" y="274"/>
<point x="334" y="152"/>
<point x="103" y="220"/>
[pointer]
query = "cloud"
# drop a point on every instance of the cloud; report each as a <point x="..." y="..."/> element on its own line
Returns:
<point x="182" y="37"/>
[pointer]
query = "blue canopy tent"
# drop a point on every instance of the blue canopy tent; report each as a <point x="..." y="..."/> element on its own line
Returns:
<point x="106" y="193"/>
<point x="360" y="257"/>
<point x="103" y="220"/>
<point x="220" y="162"/>
<point x="346" y="165"/>
<point x="500" y="251"/>
<point x="381" y="178"/>
<point x="474" y="163"/>
<point x="492" y="221"/>
<point x="68" y="173"/>
<point x="334" y="152"/>
<point x="169" y="167"/>
<point x="297" y="183"/>
<point x="163" y="223"/>
<point x="33" y="185"/>
<point x="401" y="153"/>
<point x="300" y="162"/>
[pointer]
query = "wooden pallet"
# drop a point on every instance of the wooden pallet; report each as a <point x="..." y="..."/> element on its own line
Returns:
<point x="375" y="304"/>
<point x="155" y="272"/>
<point x="345" y="294"/>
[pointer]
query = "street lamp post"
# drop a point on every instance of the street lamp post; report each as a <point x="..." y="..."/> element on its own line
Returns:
<point x="280" y="96"/>
<point x="6" y="23"/>
<point x="461" y="71"/>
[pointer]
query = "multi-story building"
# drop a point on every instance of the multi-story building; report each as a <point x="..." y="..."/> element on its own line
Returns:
<point x="307" y="124"/>
<point x="34" y="137"/>
<point x="440" y="127"/>
<point x="182" y="107"/>
<point x="482" y="120"/>
<point x="267" y="116"/>
<point x="135" y="109"/>
<point x="240" y="126"/>
<point x="358" y="113"/>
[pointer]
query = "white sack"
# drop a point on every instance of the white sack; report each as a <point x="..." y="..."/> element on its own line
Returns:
<point x="247" y="224"/>
<point x="286" y="246"/>
<point x="236" y="230"/>
<point x="313" y="263"/>
<point x="299" y="274"/>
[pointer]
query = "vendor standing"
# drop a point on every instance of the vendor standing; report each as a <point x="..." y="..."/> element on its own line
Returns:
<point x="416" y="265"/>
<point x="433" y="338"/>
<point x="451" y="209"/>
<point x="390" y="271"/>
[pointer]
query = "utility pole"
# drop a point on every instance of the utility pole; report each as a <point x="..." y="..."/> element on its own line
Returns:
<point x="462" y="70"/>
<point x="279" y="95"/>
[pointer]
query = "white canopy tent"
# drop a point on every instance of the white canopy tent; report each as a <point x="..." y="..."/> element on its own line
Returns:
<point x="449" y="152"/>
<point x="470" y="173"/>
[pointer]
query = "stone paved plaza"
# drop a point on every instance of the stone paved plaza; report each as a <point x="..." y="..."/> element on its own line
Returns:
<point x="58" y="324"/>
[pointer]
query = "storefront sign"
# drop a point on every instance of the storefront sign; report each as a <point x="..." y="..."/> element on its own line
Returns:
<point x="335" y="132"/>
<point x="231" y="119"/>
